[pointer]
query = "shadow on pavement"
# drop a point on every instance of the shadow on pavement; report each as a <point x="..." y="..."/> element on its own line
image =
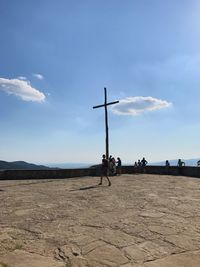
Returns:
<point x="86" y="188"/>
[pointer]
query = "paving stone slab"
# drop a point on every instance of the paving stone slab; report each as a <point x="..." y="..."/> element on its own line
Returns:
<point x="19" y="258"/>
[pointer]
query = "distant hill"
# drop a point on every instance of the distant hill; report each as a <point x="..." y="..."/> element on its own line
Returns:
<point x="69" y="165"/>
<point x="173" y="162"/>
<point x="21" y="165"/>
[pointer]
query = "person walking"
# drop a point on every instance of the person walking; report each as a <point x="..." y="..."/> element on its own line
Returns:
<point x="104" y="170"/>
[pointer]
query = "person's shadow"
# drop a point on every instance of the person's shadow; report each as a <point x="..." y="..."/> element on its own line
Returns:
<point x="88" y="187"/>
<point x="85" y="188"/>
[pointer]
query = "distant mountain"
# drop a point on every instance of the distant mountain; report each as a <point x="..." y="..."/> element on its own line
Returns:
<point x="173" y="162"/>
<point x="21" y="165"/>
<point x="68" y="165"/>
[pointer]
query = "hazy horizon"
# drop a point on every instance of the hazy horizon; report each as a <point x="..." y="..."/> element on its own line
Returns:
<point x="173" y="162"/>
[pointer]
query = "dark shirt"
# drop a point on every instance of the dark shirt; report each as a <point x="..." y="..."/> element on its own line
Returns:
<point x="119" y="163"/>
<point x="104" y="163"/>
<point x="144" y="162"/>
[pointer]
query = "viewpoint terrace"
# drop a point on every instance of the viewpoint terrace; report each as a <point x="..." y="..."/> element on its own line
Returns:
<point x="142" y="220"/>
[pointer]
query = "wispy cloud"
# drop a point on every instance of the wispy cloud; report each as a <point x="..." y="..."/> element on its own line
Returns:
<point x="38" y="76"/>
<point x="139" y="104"/>
<point x="22" y="89"/>
<point x="22" y="78"/>
<point x="180" y="70"/>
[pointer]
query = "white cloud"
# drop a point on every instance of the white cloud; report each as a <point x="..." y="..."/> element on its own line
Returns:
<point x="138" y="104"/>
<point x="22" y="89"/>
<point x="38" y="76"/>
<point x="22" y="78"/>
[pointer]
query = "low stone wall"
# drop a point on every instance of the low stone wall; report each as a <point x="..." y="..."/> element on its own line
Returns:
<point x="43" y="174"/>
<point x="172" y="170"/>
<point x="95" y="171"/>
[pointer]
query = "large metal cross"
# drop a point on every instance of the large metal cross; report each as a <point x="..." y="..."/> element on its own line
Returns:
<point x="106" y="119"/>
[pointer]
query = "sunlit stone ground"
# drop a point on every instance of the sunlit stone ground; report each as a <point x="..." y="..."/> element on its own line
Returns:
<point x="141" y="220"/>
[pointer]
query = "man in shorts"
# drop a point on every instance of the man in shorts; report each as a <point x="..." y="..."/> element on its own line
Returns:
<point x="104" y="170"/>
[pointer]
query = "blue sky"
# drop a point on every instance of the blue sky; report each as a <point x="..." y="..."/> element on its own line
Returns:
<point x="57" y="56"/>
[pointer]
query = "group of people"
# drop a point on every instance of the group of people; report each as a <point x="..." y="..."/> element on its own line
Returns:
<point x="180" y="165"/>
<point x="140" y="165"/>
<point x="115" y="166"/>
<point x="110" y="167"/>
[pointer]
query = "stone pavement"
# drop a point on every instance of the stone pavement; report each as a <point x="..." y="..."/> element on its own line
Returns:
<point x="140" y="221"/>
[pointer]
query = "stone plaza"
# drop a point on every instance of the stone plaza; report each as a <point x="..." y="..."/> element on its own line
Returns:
<point x="142" y="220"/>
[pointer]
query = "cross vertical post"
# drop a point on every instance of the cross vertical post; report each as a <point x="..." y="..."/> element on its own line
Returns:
<point x="106" y="119"/>
<point x="106" y="123"/>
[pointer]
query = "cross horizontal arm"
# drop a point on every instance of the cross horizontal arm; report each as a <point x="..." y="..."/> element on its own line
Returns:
<point x="115" y="102"/>
<point x="99" y="106"/>
<point x="107" y="104"/>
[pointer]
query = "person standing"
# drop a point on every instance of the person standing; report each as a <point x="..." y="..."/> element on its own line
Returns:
<point x="114" y="170"/>
<point x="139" y="164"/>
<point x="119" y="166"/>
<point x="111" y="167"/>
<point x="135" y="167"/>
<point x="167" y="165"/>
<point x="180" y="165"/>
<point x="144" y="163"/>
<point x="104" y="170"/>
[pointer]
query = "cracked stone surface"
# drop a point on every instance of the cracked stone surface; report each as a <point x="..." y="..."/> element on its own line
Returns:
<point x="140" y="221"/>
